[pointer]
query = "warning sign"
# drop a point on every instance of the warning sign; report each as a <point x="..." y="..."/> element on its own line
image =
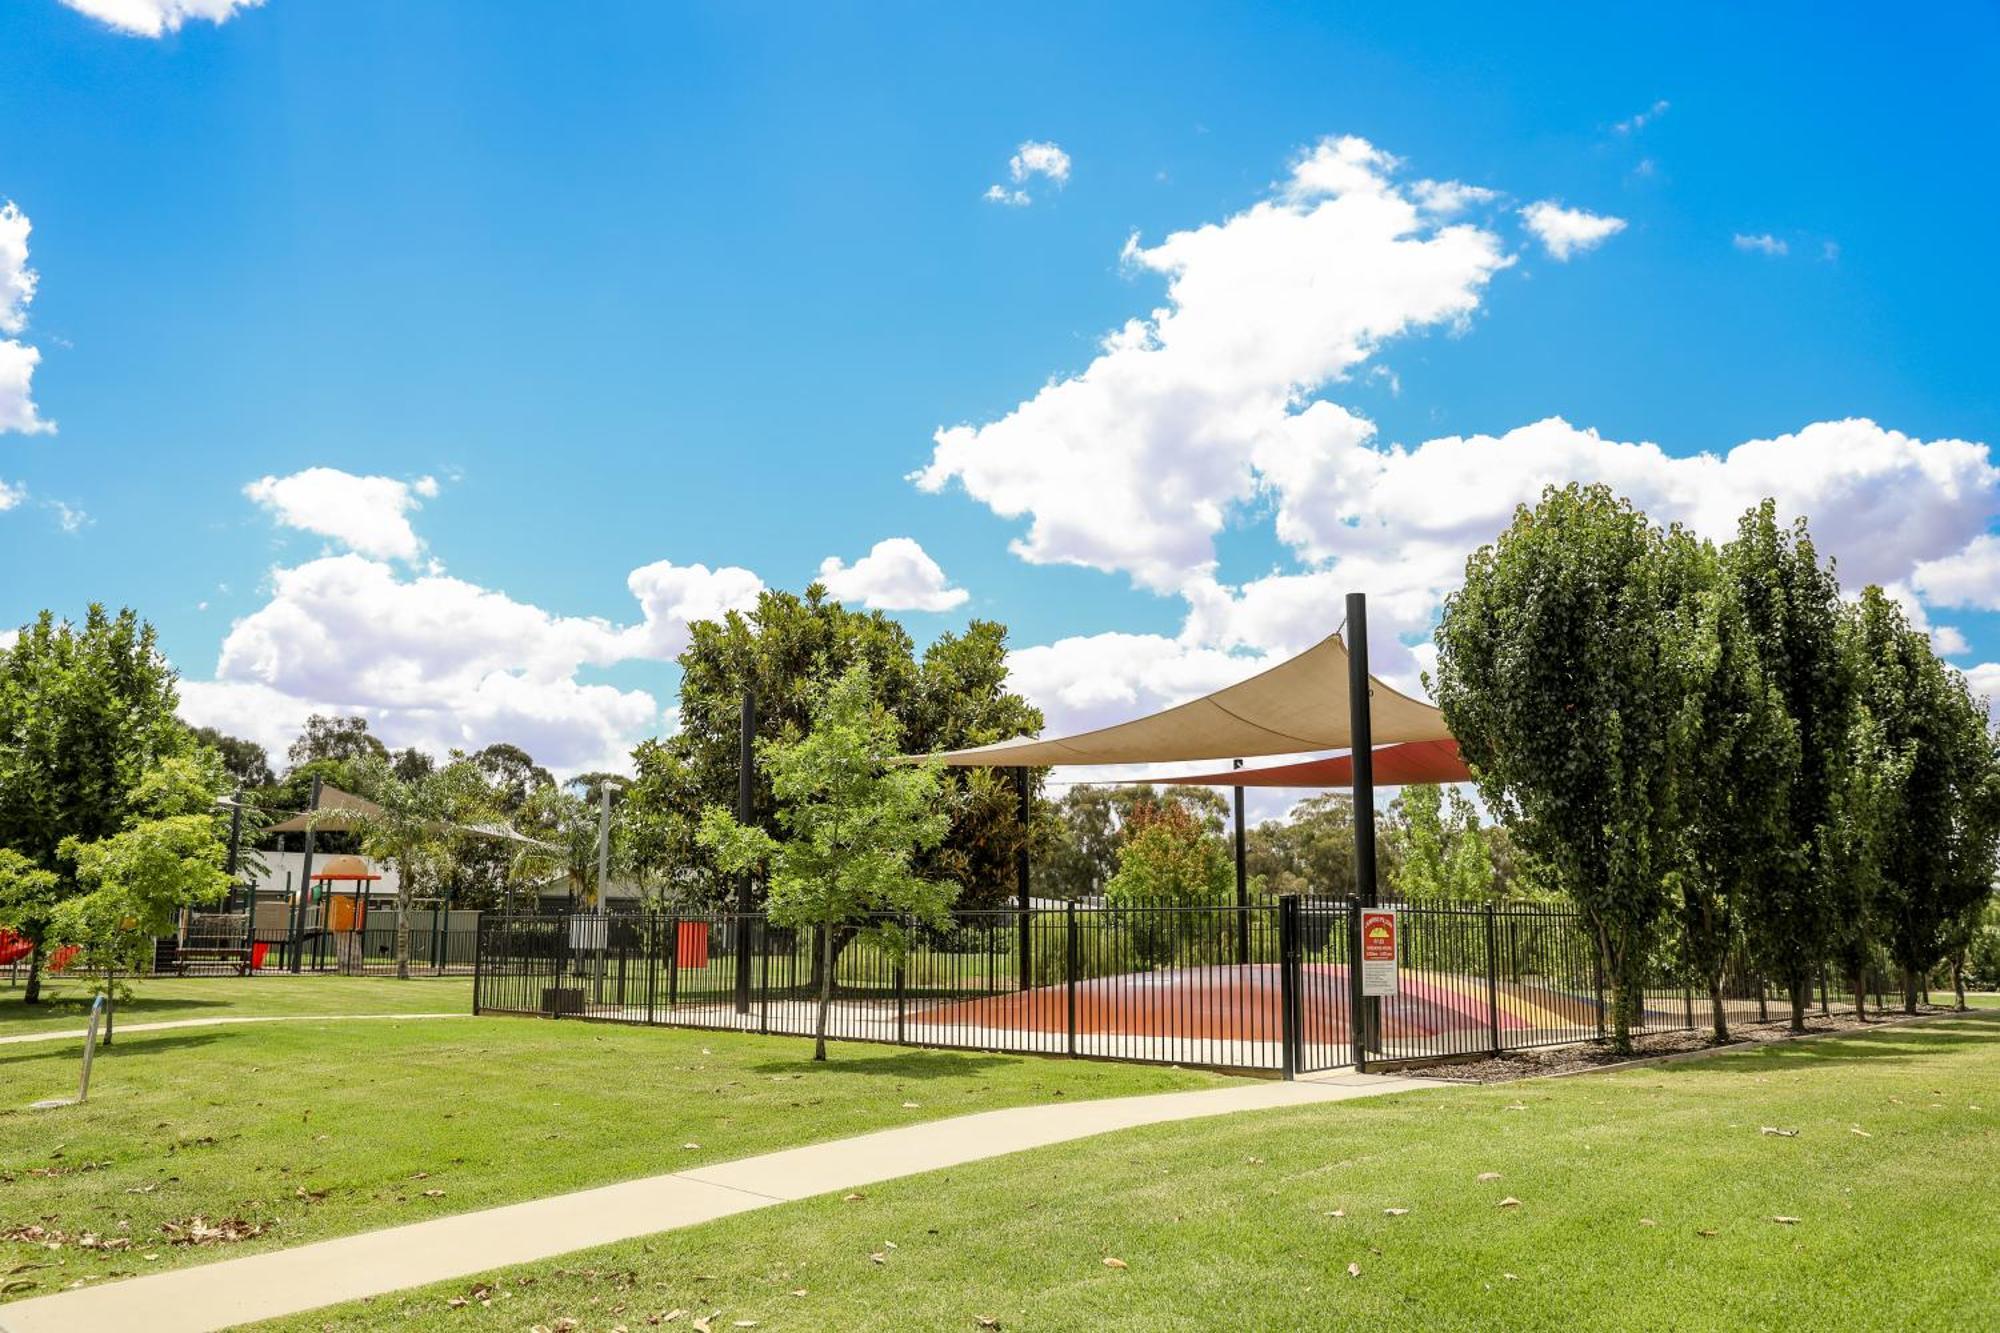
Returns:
<point x="1378" y="951"/>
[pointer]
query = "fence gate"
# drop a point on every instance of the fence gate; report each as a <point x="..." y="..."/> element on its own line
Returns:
<point x="1319" y="982"/>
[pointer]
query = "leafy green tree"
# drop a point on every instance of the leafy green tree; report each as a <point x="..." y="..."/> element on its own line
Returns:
<point x="244" y="761"/>
<point x="426" y="825"/>
<point x="342" y="738"/>
<point x="136" y="882"/>
<point x="85" y="711"/>
<point x="1552" y="677"/>
<point x="1078" y="842"/>
<point x="1311" y="850"/>
<point x="850" y="829"/>
<point x="511" y="773"/>
<point x="1169" y="858"/>
<point x="1441" y="852"/>
<point x="1805" y="900"/>
<point x="1733" y="749"/>
<point x="951" y="697"/>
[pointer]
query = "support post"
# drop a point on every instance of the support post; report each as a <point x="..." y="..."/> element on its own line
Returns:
<point x="1492" y="979"/>
<point x="1070" y="961"/>
<point x="746" y="772"/>
<point x="1021" y="880"/>
<point x="1357" y="1003"/>
<point x="1290" y="1038"/>
<point x="1242" y="884"/>
<point x="1361" y="734"/>
<point x="305" y="884"/>
<point x="478" y="960"/>
<point x="604" y="847"/>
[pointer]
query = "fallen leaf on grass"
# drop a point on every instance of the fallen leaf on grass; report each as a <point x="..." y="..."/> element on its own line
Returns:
<point x="433" y="1194"/>
<point x="199" y="1230"/>
<point x="1647" y="1222"/>
<point x="669" y="1317"/>
<point x="1510" y="1202"/>
<point x="1395" y="1212"/>
<point x="1780" y="1133"/>
<point x="142" y="1189"/>
<point x="799" y="1291"/>
<point x="457" y="1303"/>
<point x="1705" y="1231"/>
<point x="1859" y="1132"/>
<point x="744" y="1323"/>
<point x="1110" y="1262"/>
<point x="1510" y="1277"/>
<point x="1354" y="1270"/>
<point x="855" y="1197"/>
<point x="1485" y="1176"/>
<point x="878" y="1258"/>
<point x="911" y="1106"/>
<point x="1784" y="1221"/>
<point x="690" y="1146"/>
<point x="985" y="1321"/>
<point x="17" y="1284"/>
<point x="1338" y="1212"/>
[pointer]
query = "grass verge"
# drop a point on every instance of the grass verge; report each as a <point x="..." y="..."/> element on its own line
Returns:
<point x="307" y="1130"/>
<point x="1647" y="1198"/>
<point x="66" y="1001"/>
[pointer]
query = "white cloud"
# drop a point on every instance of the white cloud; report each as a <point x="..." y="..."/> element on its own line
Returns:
<point x="157" y="18"/>
<point x="8" y="637"/>
<point x="897" y="575"/>
<point x="11" y="494"/>
<point x="1984" y="681"/>
<point x="674" y="596"/>
<point x="1568" y="231"/>
<point x="17" y="359"/>
<point x="1639" y="122"/>
<point x="1033" y="158"/>
<point x="69" y="517"/>
<point x="365" y="514"/>
<point x="1762" y="243"/>
<point x="1967" y="577"/>
<point x="1134" y="463"/>
<point x="1448" y="198"/>
<point x="1949" y="641"/>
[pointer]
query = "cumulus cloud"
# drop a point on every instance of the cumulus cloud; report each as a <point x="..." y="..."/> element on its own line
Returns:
<point x="1134" y="463"/>
<point x="17" y="359"/>
<point x="11" y="494"/>
<point x="365" y="514"/>
<point x="897" y="575"/>
<point x="157" y="18"/>
<point x="1967" y="577"/>
<point x="1762" y="243"/>
<point x="1568" y="231"/>
<point x="674" y="596"/>
<point x="1036" y="157"/>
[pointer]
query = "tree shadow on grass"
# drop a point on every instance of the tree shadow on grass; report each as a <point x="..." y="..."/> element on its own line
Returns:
<point x="904" y="1064"/>
<point x="135" y="1010"/>
<point x="137" y="1045"/>
<point x="1890" y="1044"/>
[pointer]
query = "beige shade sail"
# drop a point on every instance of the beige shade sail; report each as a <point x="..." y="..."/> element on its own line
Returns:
<point x="1298" y="705"/>
<point x="336" y="807"/>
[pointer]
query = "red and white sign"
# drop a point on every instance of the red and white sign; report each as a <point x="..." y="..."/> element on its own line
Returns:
<point x="1378" y="951"/>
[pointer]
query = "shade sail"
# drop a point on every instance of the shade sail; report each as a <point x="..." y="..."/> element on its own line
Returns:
<point x="1297" y="705"/>
<point x="1418" y="762"/>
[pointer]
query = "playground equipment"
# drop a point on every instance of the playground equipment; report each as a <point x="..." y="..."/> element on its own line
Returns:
<point x="97" y="1013"/>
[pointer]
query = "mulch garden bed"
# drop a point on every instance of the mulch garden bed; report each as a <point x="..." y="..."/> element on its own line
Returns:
<point x="1548" y="1060"/>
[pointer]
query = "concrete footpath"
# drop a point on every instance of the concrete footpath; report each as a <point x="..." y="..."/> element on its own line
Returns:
<point x="78" y="1034"/>
<point x="283" y="1282"/>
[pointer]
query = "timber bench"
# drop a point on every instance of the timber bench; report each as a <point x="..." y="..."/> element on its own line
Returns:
<point x="234" y="958"/>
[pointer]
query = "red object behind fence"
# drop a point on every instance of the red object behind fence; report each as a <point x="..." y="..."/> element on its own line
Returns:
<point x="692" y="945"/>
<point x="257" y="952"/>
<point x="13" y="947"/>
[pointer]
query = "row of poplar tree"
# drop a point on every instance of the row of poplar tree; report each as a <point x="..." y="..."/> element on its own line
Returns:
<point x="1711" y="752"/>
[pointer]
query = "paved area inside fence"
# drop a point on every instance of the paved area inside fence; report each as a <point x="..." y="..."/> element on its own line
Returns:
<point x="78" y="1034"/>
<point x="286" y="1282"/>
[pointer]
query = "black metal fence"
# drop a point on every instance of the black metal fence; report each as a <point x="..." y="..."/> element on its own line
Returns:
<point x="225" y="944"/>
<point x="1269" y="987"/>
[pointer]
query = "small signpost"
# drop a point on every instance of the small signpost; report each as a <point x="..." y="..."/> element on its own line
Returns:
<point x="97" y="1012"/>
<point x="1378" y="951"/>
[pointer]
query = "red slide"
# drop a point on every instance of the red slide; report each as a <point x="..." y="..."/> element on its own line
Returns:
<point x="13" y="947"/>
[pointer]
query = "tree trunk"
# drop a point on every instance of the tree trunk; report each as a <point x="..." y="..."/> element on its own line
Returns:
<point x="825" y="992"/>
<point x="1799" y="1004"/>
<point x="403" y="888"/>
<point x="1860" y="995"/>
<point x="33" y="995"/>
<point x="1958" y="980"/>
<point x="1717" y="1012"/>
<point x="1909" y="990"/>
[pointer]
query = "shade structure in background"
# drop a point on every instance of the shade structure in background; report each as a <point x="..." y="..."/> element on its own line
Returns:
<point x="1409" y="764"/>
<point x="1297" y="706"/>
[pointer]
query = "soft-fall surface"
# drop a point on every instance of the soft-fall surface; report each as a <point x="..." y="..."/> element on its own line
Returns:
<point x="66" y="1000"/>
<point x="1842" y="1183"/>
<point x="284" y="1133"/>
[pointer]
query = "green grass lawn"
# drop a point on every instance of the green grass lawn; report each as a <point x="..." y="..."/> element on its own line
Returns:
<point x="1646" y="1200"/>
<point x="66" y="1000"/>
<point x="318" y="1129"/>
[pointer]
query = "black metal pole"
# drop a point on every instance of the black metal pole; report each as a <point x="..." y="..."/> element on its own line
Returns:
<point x="1361" y="732"/>
<point x="235" y="837"/>
<point x="305" y="882"/>
<point x="1021" y="877"/>
<point x="1242" y="885"/>
<point x="746" y="773"/>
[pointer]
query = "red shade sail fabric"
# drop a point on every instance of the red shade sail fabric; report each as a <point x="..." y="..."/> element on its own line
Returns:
<point x="1413" y="763"/>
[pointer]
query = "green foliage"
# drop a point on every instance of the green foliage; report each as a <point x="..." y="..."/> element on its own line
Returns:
<point x="85" y="711"/>
<point x="954" y="696"/>
<point x="1078" y="841"/>
<point x="425" y="824"/>
<point x="1168" y="858"/>
<point x="1311" y="850"/>
<point x="1552" y="677"/>
<point x="244" y="761"/>
<point x="850" y="828"/>
<point x="1441" y="849"/>
<point x="342" y="738"/>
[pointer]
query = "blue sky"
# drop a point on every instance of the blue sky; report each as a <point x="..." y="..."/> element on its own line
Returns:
<point x="642" y="286"/>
